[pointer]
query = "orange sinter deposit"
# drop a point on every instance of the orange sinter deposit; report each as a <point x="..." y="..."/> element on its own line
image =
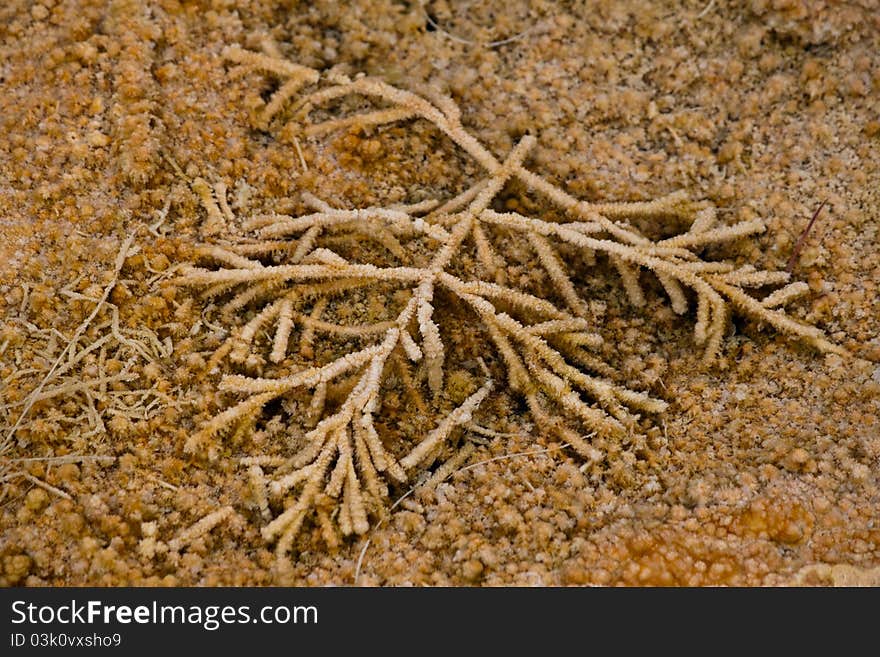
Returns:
<point x="439" y="293"/>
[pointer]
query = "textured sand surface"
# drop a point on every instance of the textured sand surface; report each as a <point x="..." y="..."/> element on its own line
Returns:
<point x="764" y="470"/>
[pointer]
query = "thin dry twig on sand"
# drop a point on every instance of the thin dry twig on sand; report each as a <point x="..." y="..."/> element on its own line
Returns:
<point x="92" y="369"/>
<point x="802" y="240"/>
<point x="435" y="481"/>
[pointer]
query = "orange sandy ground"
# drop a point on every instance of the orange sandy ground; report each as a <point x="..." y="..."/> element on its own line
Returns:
<point x="764" y="470"/>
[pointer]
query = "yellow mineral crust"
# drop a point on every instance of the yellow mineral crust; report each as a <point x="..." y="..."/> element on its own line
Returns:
<point x="764" y="468"/>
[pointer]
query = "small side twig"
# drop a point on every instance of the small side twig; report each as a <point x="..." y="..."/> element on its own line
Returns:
<point x="453" y="37"/>
<point x="799" y="245"/>
<point x="42" y="484"/>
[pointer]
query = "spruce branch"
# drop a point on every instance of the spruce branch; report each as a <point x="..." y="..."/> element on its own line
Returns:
<point x="546" y="346"/>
